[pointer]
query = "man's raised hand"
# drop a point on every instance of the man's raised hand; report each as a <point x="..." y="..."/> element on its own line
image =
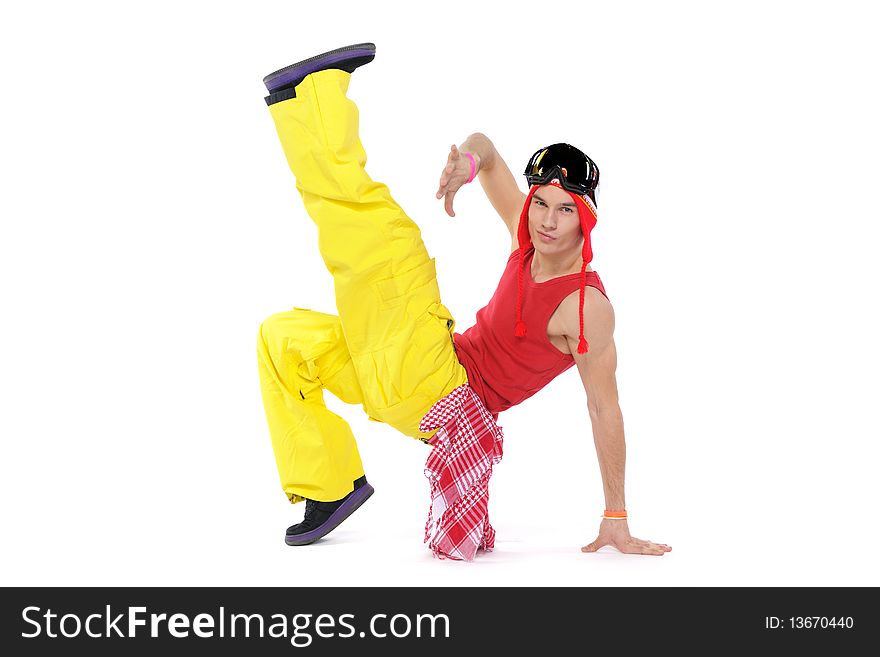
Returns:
<point x="455" y="174"/>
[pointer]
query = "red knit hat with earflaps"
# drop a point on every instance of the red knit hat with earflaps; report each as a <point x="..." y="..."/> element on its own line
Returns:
<point x="587" y="214"/>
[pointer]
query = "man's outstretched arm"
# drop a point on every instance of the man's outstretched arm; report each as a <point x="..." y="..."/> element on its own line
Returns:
<point x="598" y="369"/>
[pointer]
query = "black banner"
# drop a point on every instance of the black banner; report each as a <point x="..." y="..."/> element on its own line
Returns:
<point x="429" y="621"/>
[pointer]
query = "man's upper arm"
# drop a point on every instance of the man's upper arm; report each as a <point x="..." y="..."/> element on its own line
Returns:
<point x="503" y="193"/>
<point x="597" y="367"/>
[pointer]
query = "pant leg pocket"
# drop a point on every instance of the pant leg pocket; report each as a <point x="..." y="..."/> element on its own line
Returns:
<point x="439" y="313"/>
<point x="394" y="288"/>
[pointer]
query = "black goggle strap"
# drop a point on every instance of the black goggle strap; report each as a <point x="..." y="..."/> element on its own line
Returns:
<point x="547" y="175"/>
<point x="564" y="182"/>
<point x="580" y="184"/>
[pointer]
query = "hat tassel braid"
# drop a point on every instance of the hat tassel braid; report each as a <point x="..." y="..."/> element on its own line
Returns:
<point x="520" y="328"/>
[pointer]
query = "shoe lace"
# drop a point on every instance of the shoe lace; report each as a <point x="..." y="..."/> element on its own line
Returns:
<point x="311" y="507"/>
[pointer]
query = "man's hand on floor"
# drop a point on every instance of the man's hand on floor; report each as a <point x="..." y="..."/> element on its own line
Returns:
<point x="616" y="533"/>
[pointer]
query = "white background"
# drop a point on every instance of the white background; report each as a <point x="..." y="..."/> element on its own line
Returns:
<point x="149" y="224"/>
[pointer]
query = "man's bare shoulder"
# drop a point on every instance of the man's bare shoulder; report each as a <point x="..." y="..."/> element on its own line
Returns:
<point x="598" y="318"/>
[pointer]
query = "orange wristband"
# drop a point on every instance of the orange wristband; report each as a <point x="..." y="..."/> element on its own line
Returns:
<point x="614" y="514"/>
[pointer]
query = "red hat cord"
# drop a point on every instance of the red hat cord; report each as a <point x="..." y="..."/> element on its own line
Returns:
<point x="587" y="214"/>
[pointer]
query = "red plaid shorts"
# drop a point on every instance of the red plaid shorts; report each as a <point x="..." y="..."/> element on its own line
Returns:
<point x="468" y="442"/>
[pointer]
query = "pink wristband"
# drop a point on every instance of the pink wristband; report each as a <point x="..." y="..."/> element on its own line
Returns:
<point x="473" y="167"/>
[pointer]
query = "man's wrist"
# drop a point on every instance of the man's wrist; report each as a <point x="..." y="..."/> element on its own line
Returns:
<point x="481" y="148"/>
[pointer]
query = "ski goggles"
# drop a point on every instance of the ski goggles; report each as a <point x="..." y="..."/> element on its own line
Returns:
<point x="575" y="171"/>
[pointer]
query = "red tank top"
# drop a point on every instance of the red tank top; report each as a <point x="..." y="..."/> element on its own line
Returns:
<point x="503" y="369"/>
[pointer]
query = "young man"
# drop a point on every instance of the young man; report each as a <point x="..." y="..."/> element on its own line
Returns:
<point x="392" y="347"/>
<point x="550" y="250"/>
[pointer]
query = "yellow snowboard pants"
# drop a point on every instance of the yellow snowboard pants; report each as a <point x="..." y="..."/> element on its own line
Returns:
<point x="390" y="348"/>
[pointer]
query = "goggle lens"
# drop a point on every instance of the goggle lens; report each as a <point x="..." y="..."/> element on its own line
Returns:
<point x="576" y="172"/>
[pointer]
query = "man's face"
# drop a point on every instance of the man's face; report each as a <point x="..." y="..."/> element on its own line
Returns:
<point x="554" y="223"/>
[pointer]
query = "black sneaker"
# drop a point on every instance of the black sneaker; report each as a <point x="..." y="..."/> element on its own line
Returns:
<point x="321" y="518"/>
<point x="347" y="58"/>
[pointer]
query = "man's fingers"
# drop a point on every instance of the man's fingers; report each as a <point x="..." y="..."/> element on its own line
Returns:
<point x="643" y="547"/>
<point x="651" y="544"/>
<point x="448" y="170"/>
<point x="449" y="197"/>
<point x="445" y="178"/>
<point x="592" y="547"/>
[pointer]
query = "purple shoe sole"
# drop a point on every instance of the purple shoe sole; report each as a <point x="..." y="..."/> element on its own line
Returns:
<point x="351" y="504"/>
<point x="320" y="62"/>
